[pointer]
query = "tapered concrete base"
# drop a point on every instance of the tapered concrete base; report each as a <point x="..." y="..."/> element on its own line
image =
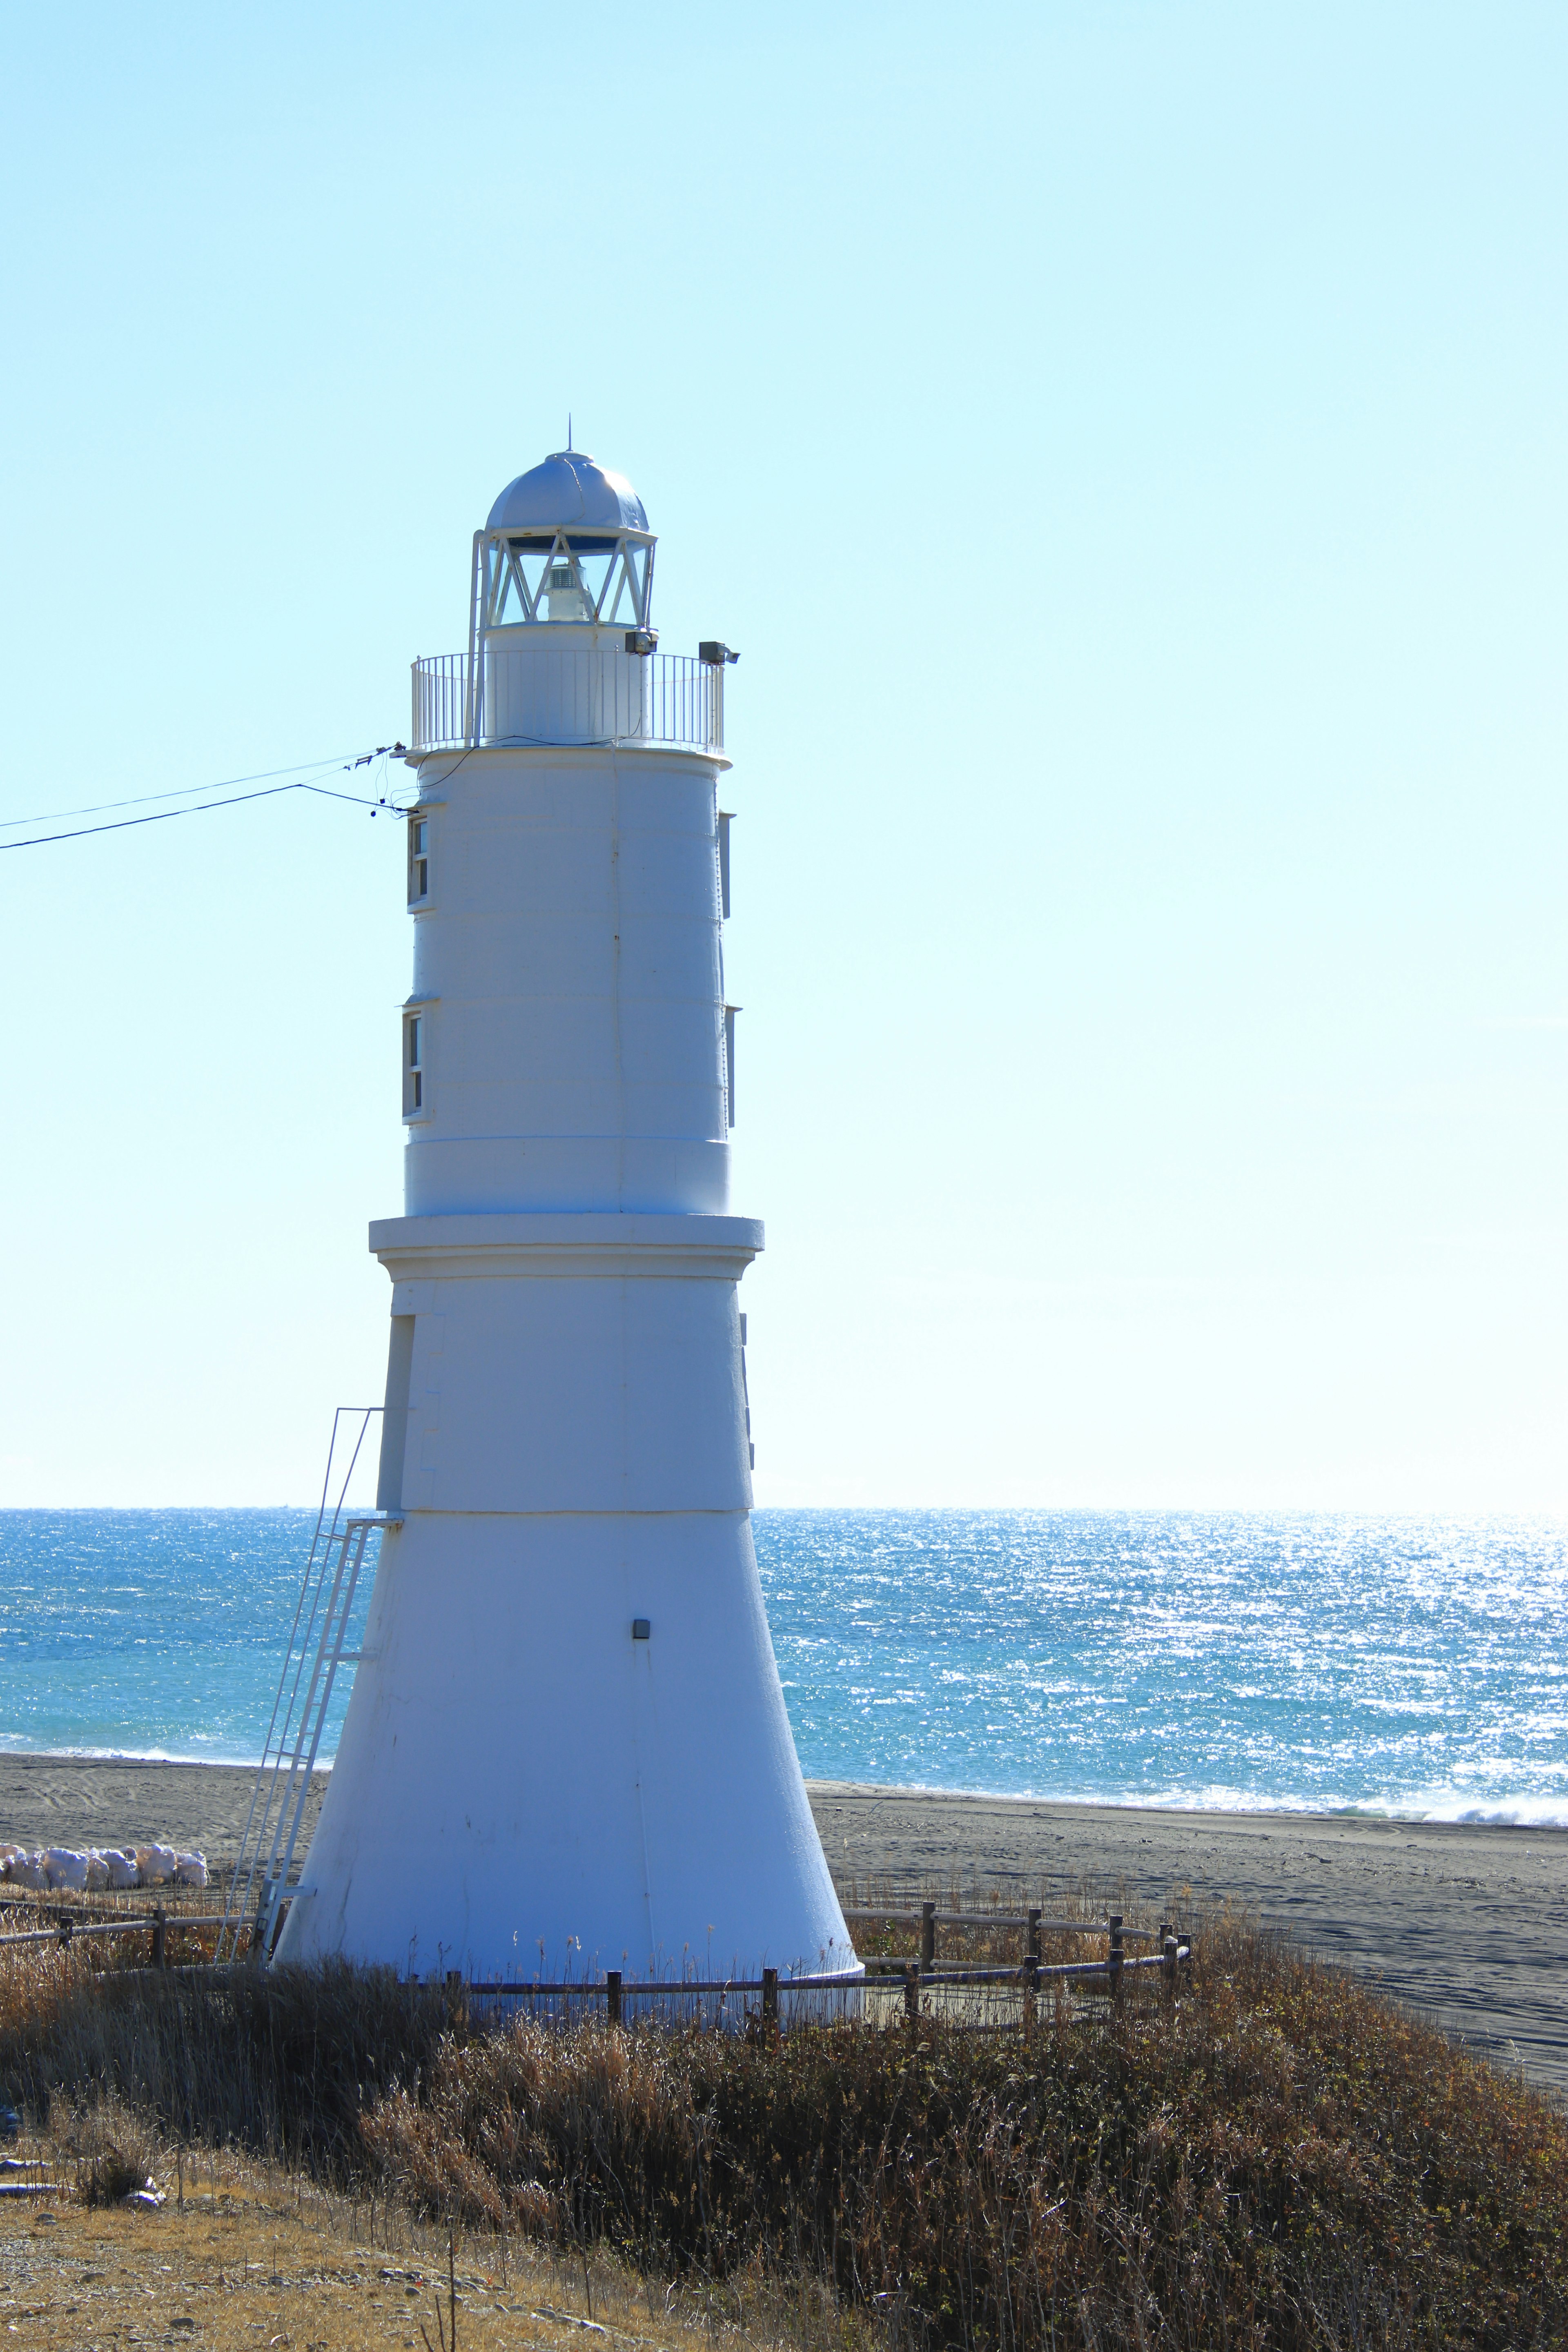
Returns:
<point x="524" y="1788"/>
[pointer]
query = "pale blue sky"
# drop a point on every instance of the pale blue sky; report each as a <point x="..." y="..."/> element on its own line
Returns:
<point x="1127" y="443"/>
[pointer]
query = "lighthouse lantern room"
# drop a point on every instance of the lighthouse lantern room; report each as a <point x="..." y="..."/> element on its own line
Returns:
<point x="531" y="566"/>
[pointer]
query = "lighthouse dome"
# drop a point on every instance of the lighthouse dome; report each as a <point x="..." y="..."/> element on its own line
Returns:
<point x="568" y="492"/>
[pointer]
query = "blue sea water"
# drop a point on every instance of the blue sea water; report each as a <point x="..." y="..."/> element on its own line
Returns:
<point x="1315" y="1663"/>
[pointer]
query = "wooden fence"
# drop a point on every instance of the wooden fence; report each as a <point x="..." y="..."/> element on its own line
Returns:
<point x="917" y="1975"/>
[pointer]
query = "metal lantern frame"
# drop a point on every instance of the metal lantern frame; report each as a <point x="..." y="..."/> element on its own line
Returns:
<point x="498" y="571"/>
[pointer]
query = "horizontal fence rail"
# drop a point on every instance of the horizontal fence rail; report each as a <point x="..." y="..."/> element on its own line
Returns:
<point x="1034" y="1925"/>
<point x="574" y="694"/>
<point x="897" y="1971"/>
<point x="881" y="1974"/>
<point x="917" y="1980"/>
<point x="1026" y="1920"/>
<point x="917" y="1984"/>
<point x="68" y="1929"/>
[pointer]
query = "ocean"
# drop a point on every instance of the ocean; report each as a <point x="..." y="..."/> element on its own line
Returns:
<point x="1322" y="1664"/>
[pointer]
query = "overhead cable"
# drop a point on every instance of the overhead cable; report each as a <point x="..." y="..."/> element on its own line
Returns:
<point x="184" y="792"/>
<point x="200" y="808"/>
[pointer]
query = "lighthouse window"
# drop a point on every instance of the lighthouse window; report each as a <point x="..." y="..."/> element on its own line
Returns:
<point x="418" y="859"/>
<point x="413" y="1064"/>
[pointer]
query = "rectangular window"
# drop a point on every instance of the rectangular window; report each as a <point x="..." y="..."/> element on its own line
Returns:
<point x="729" y="1013"/>
<point x="418" y="859"/>
<point x="725" y="822"/>
<point x="413" y="1064"/>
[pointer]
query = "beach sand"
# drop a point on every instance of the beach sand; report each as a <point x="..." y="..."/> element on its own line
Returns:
<point x="1468" y="1924"/>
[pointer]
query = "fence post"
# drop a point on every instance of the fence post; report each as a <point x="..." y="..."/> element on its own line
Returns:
<point x="928" y="1936"/>
<point x="1031" y="1974"/>
<point x="911" y="1994"/>
<point x="160" y="1937"/>
<point x="1032" y="1939"/>
<point x="770" y="1999"/>
<point x="613" y="1995"/>
<point x="1116" y="1956"/>
<point x="1168" y="1951"/>
<point x="65" y="1925"/>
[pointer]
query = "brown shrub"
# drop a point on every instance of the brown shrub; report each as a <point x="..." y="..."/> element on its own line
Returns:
<point x="111" y="2148"/>
<point x="1280" y="2158"/>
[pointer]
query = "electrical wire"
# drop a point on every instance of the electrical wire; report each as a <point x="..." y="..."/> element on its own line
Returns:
<point x="222" y="784"/>
<point x="201" y="808"/>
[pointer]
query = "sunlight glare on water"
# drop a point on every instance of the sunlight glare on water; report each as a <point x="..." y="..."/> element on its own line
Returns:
<point x="1312" y="1663"/>
<point x="1315" y="1663"/>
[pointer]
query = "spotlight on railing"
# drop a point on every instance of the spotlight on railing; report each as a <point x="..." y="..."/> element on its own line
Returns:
<point x="715" y="654"/>
<point x="641" y="641"/>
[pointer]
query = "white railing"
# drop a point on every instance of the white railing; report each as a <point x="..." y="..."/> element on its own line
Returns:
<point x="577" y="694"/>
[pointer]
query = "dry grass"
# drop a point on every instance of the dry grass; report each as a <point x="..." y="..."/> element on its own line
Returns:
<point x="1275" y="2158"/>
<point x="252" y="2256"/>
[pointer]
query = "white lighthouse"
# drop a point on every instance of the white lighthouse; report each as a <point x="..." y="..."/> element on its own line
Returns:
<point x="566" y="1744"/>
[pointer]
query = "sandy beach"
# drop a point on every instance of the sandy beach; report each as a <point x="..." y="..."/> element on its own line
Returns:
<point x="1468" y="1924"/>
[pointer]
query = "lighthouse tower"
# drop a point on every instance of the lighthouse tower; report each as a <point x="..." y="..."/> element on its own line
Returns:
<point x="566" y="1744"/>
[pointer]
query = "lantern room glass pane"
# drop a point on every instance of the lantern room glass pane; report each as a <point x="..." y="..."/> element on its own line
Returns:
<point x="574" y="578"/>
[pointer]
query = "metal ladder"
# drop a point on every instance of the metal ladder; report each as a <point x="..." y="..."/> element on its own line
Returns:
<point x="310" y="1664"/>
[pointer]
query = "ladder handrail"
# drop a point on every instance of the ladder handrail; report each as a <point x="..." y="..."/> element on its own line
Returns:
<point x="277" y="1701"/>
<point x="326" y="1538"/>
<point x="349" y="1544"/>
<point x="292" y="1808"/>
<point x="265" y="1786"/>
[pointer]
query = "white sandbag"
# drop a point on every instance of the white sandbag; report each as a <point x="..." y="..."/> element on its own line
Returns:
<point x="27" y="1870"/>
<point x="122" y="1868"/>
<point x="155" y="1864"/>
<point x="97" y="1871"/>
<point x="191" y="1870"/>
<point x="65" y="1869"/>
